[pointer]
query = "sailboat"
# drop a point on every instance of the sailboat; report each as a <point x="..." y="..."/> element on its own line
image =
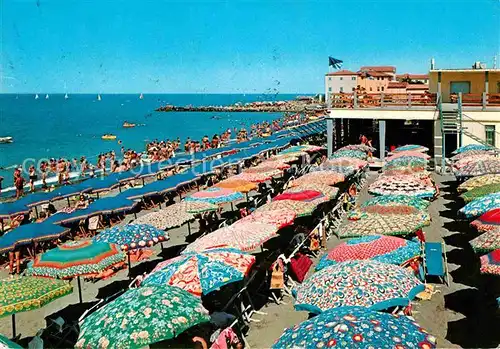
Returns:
<point x="46" y="96"/>
<point x="141" y="96"/>
<point x="66" y="96"/>
<point x="98" y="97"/>
<point x="36" y="96"/>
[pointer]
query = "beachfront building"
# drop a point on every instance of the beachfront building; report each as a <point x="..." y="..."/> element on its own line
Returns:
<point x="413" y="78"/>
<point x="457" y="107"/>
<point x="341" y="81"/>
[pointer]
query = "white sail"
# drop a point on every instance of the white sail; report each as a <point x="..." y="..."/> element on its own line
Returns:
<point x="46" y="96"/>
<point x="98" y="97"/>
<point x="141" y="96"/>
<point x="36" y="96"/>
<point x="66" y="96"/>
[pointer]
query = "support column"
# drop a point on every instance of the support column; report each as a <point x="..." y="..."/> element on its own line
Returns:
<point x="439" y="84"/>
<point x="438" y="146"/>
<point x="329" y="137"/>
<point x="381" y="135"/>
<point x="486" y="88"/>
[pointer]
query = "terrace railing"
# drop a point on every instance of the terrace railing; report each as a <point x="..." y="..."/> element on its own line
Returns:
<point x="382" y="100"/>
<point x="483" y="100"/>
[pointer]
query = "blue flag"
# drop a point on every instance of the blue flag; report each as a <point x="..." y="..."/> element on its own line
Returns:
<point x="334" y="62"/>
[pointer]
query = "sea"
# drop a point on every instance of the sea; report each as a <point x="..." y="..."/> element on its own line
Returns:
<point x="56" y="127"/>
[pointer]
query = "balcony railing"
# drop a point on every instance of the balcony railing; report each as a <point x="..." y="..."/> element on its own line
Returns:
<point x="483" y="100"/>
<point x="382" y="100"/>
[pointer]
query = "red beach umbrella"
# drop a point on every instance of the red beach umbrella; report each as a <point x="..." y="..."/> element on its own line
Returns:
<point x="304" y="196"/>
<point x="490" y="263"/>
<point x="488" y="221"/>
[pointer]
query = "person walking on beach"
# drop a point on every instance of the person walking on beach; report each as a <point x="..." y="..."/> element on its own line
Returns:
<point x="18" y="183"/>
<point x="33" y="177"/>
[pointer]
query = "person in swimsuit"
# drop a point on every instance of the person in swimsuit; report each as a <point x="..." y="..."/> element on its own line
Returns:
<point x="19" y="183"/>
<point x="33" y="177"/>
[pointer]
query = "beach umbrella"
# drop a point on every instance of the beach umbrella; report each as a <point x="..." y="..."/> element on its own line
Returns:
<point x="10" y="209"/>
<point x="380" y="248"/>
<point x="28" y="233"/>
<point x="479" y="181"/>
<point x="487" y="221"/>
<point x="326" y="190"/>
<point x="321" y="177"/>
<point x="258" y="177"/>
<point x="272" y="165"/>
<point x="6" y="343"/>
<point x="479" y="168"/>
<point x="408" y="153"/>
<point x="469" y="147"/>
<point x="362" y="147"/>
<point x="215" y="195"/>
<point x="365" y="283"/>
<point x="393" y="200"/>
<point x="405" y="171"/>
<point x="287" y="158"/>
<point x="480" y="192"/>
<point x="490" y="263"/>
<point x="481" y="205"/>
<point x="279" y="218"/>
<point x="486" y="242"/>
<point x="471" y="153"/>
<point x="376" y="224"/>
<point x="27" y="293"/>
<point x="244" y="236"/>
<point x="132" y="236"/>
<point x="356" y="327"/>
<point x="346" y="162"/>
<point x="300" y="208"/>
<point x="358" y="154"/>
<point x="390" y="210"/>
<point x="402" y="185"/>
<point x="406" y="160"/>
<point x="344" y="170"/>
<point x="472" y="159"/>
<point x="301" y="149"/>
<point x="142" y="316"/>
<point x="237" y="185"/>
<point x="411" y="147"/>
<point x="305" y="195"/>
<point x="202" y="273"/>
<point x="192" y="207"/>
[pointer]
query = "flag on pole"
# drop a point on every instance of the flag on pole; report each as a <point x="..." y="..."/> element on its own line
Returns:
<point x="334" y="62"/>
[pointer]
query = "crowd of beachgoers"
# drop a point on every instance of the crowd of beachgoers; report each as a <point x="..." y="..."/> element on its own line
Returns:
<point x="156" y="150"/>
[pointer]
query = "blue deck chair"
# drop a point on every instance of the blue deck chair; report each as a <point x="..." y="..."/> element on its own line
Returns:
<point x="435" y="261"/>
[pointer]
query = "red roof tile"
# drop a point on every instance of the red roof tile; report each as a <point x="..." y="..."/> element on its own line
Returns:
<point x="413" y="76"/>
<point x="417" y="87"/>
<point x="342" y="73"/>
<point x="394" y="84"/>
<point x="381" y="68"/>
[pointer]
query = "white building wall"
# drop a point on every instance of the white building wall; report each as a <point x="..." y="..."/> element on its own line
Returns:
<point x="340" y="83"/>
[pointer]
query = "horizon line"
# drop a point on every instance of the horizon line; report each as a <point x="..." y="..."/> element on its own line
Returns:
<point x="159" y="93"/>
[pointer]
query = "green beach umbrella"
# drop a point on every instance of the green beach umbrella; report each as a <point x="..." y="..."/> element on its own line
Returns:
<point x="395" y="200"/>
<point x="480" y="192"/>
<point x="28" y="293"/>
<point x="140" y="317"/>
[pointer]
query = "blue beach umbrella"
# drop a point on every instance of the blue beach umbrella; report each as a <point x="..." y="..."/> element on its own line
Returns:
<point x="481" y="205"/>
<point x="132" y="236"/>
<point x="411" y="147"/>
<point x="472" y="147"/>
<point x="356" y="327"/>
<point x="366" y="283"/>
<point x="28" y="233"/>
<point x="10" y="209"/>
<point x="106" y="205"/>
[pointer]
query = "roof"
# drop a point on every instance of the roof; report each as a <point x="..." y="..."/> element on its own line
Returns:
<point x="379" y="68"/>
<point x="376" y="74"/>
<point x="342" y="72"/>
<point x="413" y="76"/>
<point x="394" y="84"/>
<point x="466" y="70"/>
<point x="417" y="87"/>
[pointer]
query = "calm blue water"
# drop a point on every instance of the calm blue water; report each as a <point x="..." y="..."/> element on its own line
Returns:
<point x="56" y="127"/>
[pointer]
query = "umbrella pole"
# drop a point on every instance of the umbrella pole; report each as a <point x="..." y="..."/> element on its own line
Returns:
<point x="69" y="204"/>
<point x="1" y="220"/>
<point x="36" y="213"/>
<point x="14" y="334"/>
<point x="79" y="289"/>
<point x="180" y="196"/>
<point x="189" y="228"/>
<point x="97" y="195"/>
<point x="129" y="265"/>
<point x="248" y="204"/>
<point x="120" y="188"/>
<point x="232" y="207"/>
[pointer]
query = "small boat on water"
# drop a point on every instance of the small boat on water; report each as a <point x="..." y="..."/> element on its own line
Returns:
<point x="98" y="97"/>
<point x="6" y="139"/>
<point x="108" y="137"/>
<point x="66" y="96"/>
<point x="36" y="96"/>
<point x="46" y="96"/>
<point x="127" y="124"/>
<point x="141" y="96"/>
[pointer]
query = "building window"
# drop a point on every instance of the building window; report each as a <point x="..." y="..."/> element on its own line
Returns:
<point x="382" y="88"/>
<point x="341" y="89"/>
<point x="353" y="78"/>
<point x="371" y="89"/>
<point x="330" y="78"/>
<point x="490" y="134"/>
<point x="329" y="89"/>
<point x="378" y="89"/>
<point x="353" y="89"/>
<point x="341" y="78"/>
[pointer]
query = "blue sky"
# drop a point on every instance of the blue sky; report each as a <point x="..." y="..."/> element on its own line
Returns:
<point x="235" y="46"/>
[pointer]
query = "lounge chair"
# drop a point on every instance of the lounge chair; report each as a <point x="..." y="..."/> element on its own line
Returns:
<point x="435" y="261"/>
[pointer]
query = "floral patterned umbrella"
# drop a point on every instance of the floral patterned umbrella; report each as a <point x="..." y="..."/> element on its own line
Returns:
<point x="486" y="242"/>
<point x="142" y="316"/>
<point x="396" y="209"/>
<point x="356" y="327"/>
<point x="349" y="162"/>
<point x="393" y="200"/>
<point x="406" y="161"/>
<point x="279" y="218"/>
<point x="405" y="171"/>
<point x="76" y="258"/>
<point x="321" y="177"/>
<point x="385" y="249"/>
<point x="479" y="168"/>
<point x="258" y="177"/>
<point x="480" y="192"/>
<point x="132" y="236"/>
<point x="490" y="263"/>
<point x="480" y="206"/>
<point x="202" y="273"/>
<point x="376" y="224"/>
<point x="305" y="195"/>
<point x="410" y="153"/>
<point x="361" y="147"/>
<point x="270" y="165"/>
<point x="301" y="149"/>
<point x="411" y="147"/>
<point x="469" y="147"/>
<point x="27" y="293"/>
<point x="192" y="207"/>
<point x="326" y="190"/>
<point x="402" y="185"/>
<point x="215" y="195"/>
<point x="366" y="283"/>
<point x="358" y="154"/>
<point x="479" y="181"/>
<point x="242" y="236"/>
<point x="346" y="171"/>
<point x="460" y="164"/>
<point x="471" y="153"/>
<point x="300" y="208"/>
<point x="285" y="158"/>
<point x="237" y="185"/>
<point x="487" y="221"/>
